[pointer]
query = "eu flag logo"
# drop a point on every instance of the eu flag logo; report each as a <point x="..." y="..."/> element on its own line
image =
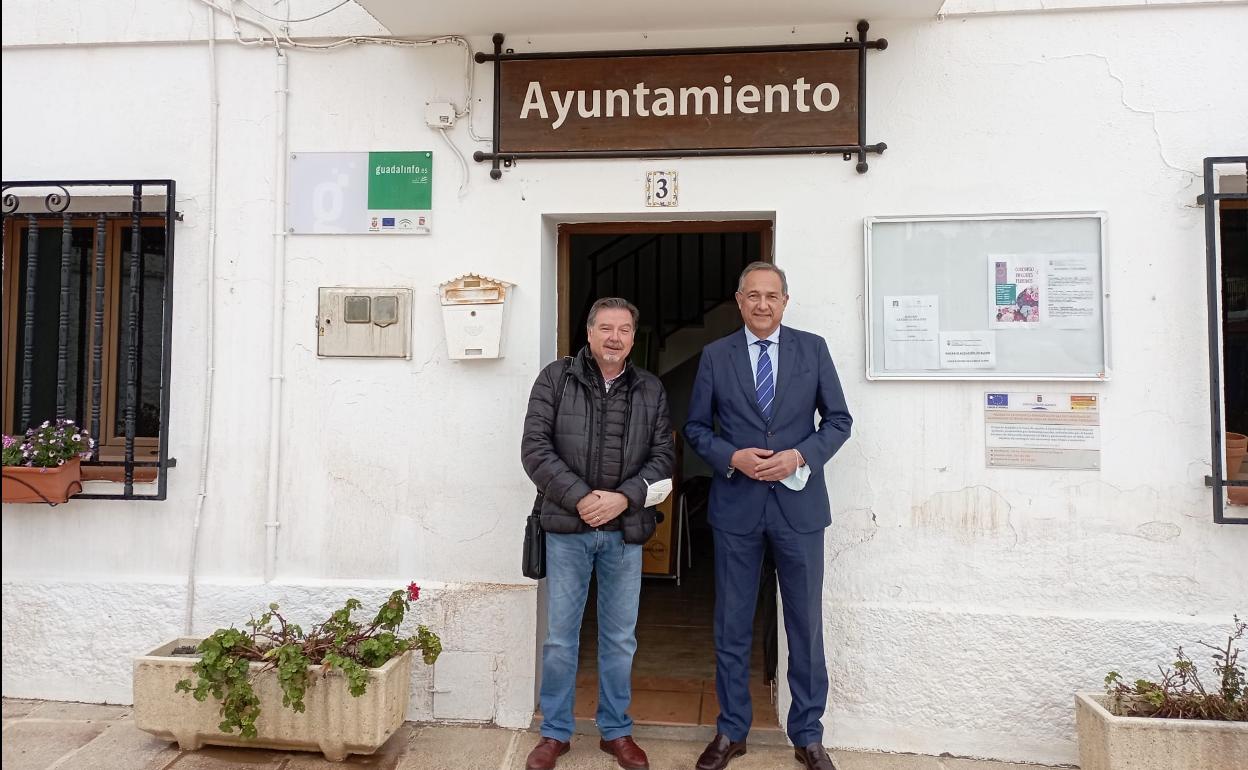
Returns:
<point x="998" y="399"/>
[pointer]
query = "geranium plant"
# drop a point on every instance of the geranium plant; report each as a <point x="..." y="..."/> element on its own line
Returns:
<point x="224" y="668"/>
<point x="49" y="445"/>
<point x="1179" y="692"/>
<point x="12" y="450"/>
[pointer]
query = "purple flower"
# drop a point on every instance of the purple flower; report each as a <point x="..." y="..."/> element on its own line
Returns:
<point x="51" y="444"/>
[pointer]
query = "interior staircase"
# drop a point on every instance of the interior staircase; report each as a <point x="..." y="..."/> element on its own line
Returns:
<point x="683" y="284"/>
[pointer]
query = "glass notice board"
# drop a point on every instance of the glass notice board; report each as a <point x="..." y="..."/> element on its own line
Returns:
<point x="991" y="297"/>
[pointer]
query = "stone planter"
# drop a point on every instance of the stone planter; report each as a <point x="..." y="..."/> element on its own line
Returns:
<point x="335" y="723"/>
<point x="1108" y="742"/>
<point x="42" y="485"/>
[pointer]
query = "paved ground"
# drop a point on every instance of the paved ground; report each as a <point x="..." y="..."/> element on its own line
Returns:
<point x="47" y="735"/>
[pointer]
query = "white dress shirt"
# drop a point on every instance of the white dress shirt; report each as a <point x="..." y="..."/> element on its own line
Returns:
<point x="773" y="351"/>
<point x="797" y="480"/>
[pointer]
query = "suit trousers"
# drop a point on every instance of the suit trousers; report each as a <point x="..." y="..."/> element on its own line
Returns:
<point x="799" y="567"/>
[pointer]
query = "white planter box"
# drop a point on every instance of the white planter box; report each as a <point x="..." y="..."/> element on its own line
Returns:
<point x="334" y="723"/>
<point x="1108" y="742"/>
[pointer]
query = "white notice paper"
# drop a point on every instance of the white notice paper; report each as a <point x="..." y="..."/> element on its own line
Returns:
<point x="1070" y="296"/>
<point x="968" y="350"/>
<point x="910" y="329"/>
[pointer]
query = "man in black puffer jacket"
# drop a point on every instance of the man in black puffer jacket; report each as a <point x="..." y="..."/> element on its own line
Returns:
<point x="596" y="433"/>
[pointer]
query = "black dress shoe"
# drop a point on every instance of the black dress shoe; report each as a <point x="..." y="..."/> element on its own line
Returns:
<point x="814" y="756"/>
<point x="719" y="752"/>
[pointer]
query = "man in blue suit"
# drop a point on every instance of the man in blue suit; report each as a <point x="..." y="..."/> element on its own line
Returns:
<point x="763" y="385"/>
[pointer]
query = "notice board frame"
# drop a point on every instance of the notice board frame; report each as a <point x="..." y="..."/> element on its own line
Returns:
<point x="875" y="364"/>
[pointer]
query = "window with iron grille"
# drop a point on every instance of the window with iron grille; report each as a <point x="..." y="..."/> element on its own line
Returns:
<point x="1226" y="258"/>
<point x="87" y="314"/>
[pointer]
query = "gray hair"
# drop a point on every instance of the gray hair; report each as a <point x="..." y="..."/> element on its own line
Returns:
<point x="756" y="266"/>
<point x="611" y="303"/>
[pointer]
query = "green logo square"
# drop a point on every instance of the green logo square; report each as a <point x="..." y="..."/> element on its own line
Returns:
<point x="400" y="181"/>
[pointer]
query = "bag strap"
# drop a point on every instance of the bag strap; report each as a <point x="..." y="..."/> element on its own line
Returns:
<point x="563" y="383"/>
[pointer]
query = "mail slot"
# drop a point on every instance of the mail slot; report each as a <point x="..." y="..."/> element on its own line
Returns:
<point x="473" y="312"/>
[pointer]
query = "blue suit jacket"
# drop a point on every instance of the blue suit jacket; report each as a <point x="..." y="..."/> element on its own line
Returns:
<point x="724" y="392"/>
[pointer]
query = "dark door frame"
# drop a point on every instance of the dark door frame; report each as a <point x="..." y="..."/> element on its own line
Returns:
<point x="766" y="230"/>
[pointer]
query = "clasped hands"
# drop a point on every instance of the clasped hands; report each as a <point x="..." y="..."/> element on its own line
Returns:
<point x="600" y="506"/>
<point x="766" y="464"/>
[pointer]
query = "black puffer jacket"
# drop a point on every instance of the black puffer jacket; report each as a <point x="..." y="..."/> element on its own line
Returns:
<point x="614" y="441"/>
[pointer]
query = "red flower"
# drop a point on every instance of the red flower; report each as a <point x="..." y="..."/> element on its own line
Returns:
<point x="413" y="591"/>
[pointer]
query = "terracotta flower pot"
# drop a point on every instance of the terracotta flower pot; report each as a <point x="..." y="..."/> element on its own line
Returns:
<point x="42" y="485"/>
<point x="1236" y="447"/>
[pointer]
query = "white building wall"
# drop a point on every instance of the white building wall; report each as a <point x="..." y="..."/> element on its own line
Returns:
<point x="963" y="605"/>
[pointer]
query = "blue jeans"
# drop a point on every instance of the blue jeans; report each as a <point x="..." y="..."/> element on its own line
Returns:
<point x="570" y="559"/>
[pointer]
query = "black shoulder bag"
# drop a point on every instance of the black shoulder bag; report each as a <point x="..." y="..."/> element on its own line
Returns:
<point x="534" y="556"/>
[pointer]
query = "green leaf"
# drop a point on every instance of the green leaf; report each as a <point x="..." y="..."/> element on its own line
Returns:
<point x="224" y="668"/>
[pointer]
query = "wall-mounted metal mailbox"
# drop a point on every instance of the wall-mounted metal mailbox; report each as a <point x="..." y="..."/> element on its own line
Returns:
<point x="364" y="323"/>
<point x="473" y="312"/>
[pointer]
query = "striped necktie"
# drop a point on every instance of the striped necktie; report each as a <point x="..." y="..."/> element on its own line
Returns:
<point x="764" y="383"/>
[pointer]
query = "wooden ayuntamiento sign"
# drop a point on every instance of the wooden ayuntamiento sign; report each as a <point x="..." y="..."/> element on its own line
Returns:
<point x="713" y="101"/>
<point x="806" y="98"/>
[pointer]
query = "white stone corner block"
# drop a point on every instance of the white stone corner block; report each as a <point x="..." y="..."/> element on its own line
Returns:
<point x="464" y="686"/>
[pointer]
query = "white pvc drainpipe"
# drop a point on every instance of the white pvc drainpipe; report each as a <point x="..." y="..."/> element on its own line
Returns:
<point x="205" y="447"/>
<point x="271" y="520"/>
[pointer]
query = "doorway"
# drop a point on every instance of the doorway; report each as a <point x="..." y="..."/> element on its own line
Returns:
<point x="682" y="276"/>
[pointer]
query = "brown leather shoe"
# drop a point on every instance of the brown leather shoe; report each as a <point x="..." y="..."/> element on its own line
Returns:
<point x="546" y="754"/>
<point x="719" y="752"/>
<point x="626" y="752"/>
<point x="814" y="756"/>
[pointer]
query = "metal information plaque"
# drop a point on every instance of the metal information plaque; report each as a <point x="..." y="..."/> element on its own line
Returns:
<point x="1042" y="430"/>
<point x="360" y="192"/>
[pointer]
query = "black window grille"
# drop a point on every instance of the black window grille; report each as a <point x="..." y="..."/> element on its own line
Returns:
<point x="88" y="308"/>
<point x="1226" y="265"/>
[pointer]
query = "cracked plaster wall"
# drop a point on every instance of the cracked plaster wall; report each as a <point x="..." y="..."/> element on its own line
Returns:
<point x="73" y="639"/>
<point x="961" y="602"/>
